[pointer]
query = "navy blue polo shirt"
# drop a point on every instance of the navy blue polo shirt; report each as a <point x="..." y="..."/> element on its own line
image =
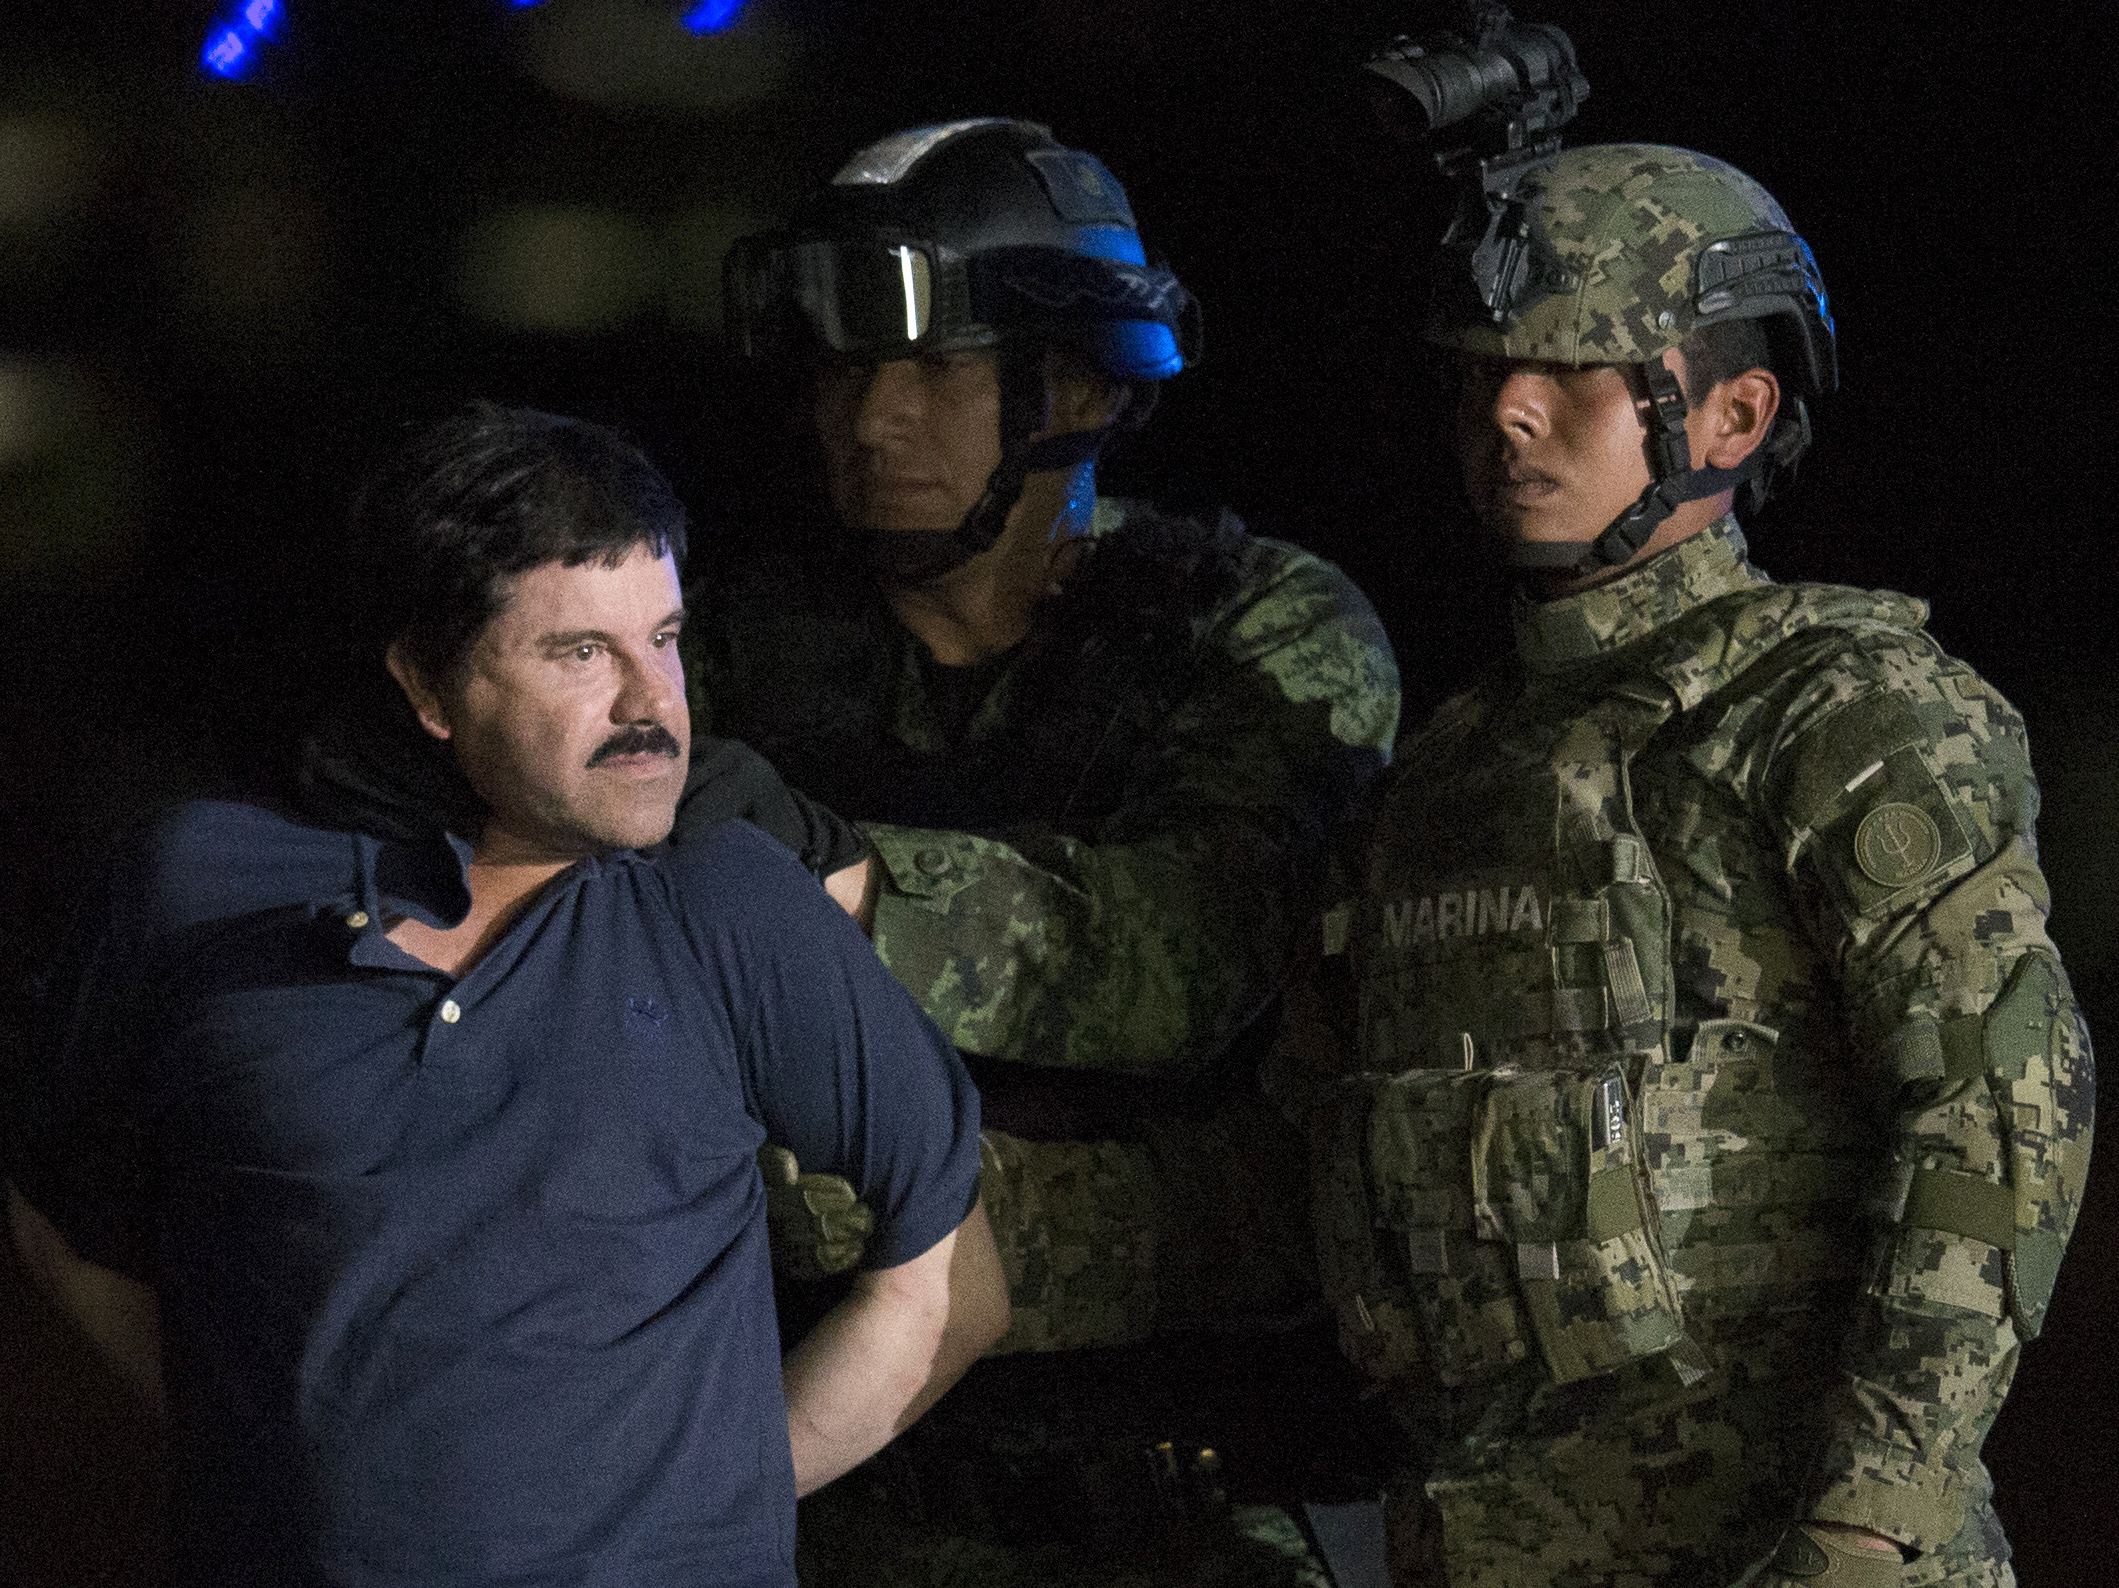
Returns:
<point x="465" y="1281"/>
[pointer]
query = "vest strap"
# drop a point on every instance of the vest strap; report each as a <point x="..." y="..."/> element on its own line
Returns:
<point x="1962" y="1204"/>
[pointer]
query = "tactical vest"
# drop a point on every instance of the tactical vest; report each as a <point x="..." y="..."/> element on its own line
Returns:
<point x="808" y="670"/>
<point x="1492" y="1191"/>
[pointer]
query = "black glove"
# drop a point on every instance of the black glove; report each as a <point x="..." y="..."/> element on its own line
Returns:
<point x="730" y="779"/>
<point x="367" y="766"/>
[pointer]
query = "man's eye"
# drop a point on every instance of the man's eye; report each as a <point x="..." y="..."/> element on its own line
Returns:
<point x="585" y="653"/>
<point x="665" y="639"/>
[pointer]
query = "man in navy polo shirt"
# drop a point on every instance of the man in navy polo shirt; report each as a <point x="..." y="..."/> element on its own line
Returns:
<point x="426" y="1168"/>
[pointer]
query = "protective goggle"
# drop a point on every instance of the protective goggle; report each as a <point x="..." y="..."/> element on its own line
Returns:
<point x="870" y="297"/>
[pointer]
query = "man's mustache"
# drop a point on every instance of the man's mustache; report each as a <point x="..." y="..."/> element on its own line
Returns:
<point x="639" y="738"/>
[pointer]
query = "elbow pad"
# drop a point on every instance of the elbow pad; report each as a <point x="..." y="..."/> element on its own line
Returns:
<point x="2030" y="1050"/>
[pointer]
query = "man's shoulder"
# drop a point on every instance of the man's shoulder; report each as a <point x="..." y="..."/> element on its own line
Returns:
<point x="1753" y="639"/>
<point x="1246" y="566"/>
<point x="211" y="859"/>
<point x="1820" y="649"/>
<point x="737" y="878"/>
<point x="1861" y="712"/>
<point x="1272" y="605"/>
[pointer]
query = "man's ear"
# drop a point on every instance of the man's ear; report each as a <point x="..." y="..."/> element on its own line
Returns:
<point x="425" y="702"/>
<point x="1739" y="413"/>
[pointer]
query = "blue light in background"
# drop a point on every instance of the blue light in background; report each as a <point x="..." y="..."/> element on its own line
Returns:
<point x="227" y="53"/>
<point x="711" y="16"/>
<point x="231" y="49"/>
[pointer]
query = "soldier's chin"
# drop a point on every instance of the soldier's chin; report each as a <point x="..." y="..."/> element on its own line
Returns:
<point x="1527" y="526"/>
<point x="1503" y="524"/>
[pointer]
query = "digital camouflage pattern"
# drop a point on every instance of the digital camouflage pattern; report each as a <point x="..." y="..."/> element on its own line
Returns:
<point x="1627" y="222"/>
<point x="1076" y="1226"/>
<point x="1768" y="854"/>
<point x="1144" y="939"/>
<point x="1093" y="851"/>
<point x="1135" y="928"/>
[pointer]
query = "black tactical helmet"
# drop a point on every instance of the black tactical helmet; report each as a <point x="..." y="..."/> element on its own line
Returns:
<point x="981" y="233"/>
<point x="956" y="236"/>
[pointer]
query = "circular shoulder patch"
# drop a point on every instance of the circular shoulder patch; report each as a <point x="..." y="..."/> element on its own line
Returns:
<point x="1897" y="844"/>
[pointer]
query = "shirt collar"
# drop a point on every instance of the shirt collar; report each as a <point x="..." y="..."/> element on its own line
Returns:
<point x="1552" y="635"/>
<point x="426" y="879"/>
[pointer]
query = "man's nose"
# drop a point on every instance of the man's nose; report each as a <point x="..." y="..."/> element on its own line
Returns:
<point x="1522" y="403"/>
<point x="651" y="688"/>
<point x="890" y="404"/>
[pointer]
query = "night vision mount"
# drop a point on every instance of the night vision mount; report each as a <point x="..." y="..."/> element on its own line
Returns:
<point x="1516" y="84"/>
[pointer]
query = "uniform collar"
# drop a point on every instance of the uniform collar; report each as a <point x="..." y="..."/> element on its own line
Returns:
<point x="1553" y="635"/>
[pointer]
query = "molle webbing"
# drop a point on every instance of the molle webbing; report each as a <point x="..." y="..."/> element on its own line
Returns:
<point x="1962" y="1204"/>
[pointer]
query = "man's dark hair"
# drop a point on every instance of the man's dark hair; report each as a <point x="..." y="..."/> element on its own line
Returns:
<point x="485" y="494"/>
<point x="1721" y="351"/>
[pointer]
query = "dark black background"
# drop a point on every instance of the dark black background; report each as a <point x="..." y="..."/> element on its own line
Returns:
<point x="249" y="289"/>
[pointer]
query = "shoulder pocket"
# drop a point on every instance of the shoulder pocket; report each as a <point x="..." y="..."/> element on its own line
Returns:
<point x="1881" y="821"/>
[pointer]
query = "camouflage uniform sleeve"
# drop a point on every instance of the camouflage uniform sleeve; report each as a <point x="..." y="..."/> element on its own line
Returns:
<point x="1903" y="792"/>
<point x="1146" y="949"/>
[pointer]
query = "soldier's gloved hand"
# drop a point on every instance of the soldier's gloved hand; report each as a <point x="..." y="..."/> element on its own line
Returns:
<point x="729" y="779"/>
<point x="1817" y="1557"/>
<point x="815" y="1223"/>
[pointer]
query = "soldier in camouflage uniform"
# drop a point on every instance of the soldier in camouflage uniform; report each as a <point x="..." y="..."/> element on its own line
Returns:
<point x="1723" y="1108"/>
<point x="1097" y="750"/>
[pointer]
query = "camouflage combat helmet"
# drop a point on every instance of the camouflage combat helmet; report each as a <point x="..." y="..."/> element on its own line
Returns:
<point x="1613" y="254"/>
<point x="977" y="233"/>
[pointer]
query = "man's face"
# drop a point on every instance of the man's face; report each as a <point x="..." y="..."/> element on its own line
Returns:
<point x="908" y="444"/>
<point x="1550" y="452"/>
<point x="569" y="716"/>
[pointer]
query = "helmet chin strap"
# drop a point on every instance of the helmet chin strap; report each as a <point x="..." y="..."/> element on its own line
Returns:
<point x="920" y="556"/>
<point x="1674" y="482"/>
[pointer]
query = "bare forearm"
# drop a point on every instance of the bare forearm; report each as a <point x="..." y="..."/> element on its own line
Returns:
<point x="888" y="1352"/>
<point x="121" y="1317"/>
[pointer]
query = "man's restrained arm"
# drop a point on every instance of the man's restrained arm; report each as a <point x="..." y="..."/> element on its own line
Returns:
<point x="120" y="1316"/>
<point x="889" y="1350"/>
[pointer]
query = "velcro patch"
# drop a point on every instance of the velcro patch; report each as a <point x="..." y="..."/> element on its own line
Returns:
<point x="1881" y="820"/>
<point x="1900" y="831"/>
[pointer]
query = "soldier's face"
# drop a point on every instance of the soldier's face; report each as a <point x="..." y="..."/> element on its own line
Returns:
<point x="568" y="715"/>
<point x="908" y="444"/>
<point x="1550" y="452"/>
